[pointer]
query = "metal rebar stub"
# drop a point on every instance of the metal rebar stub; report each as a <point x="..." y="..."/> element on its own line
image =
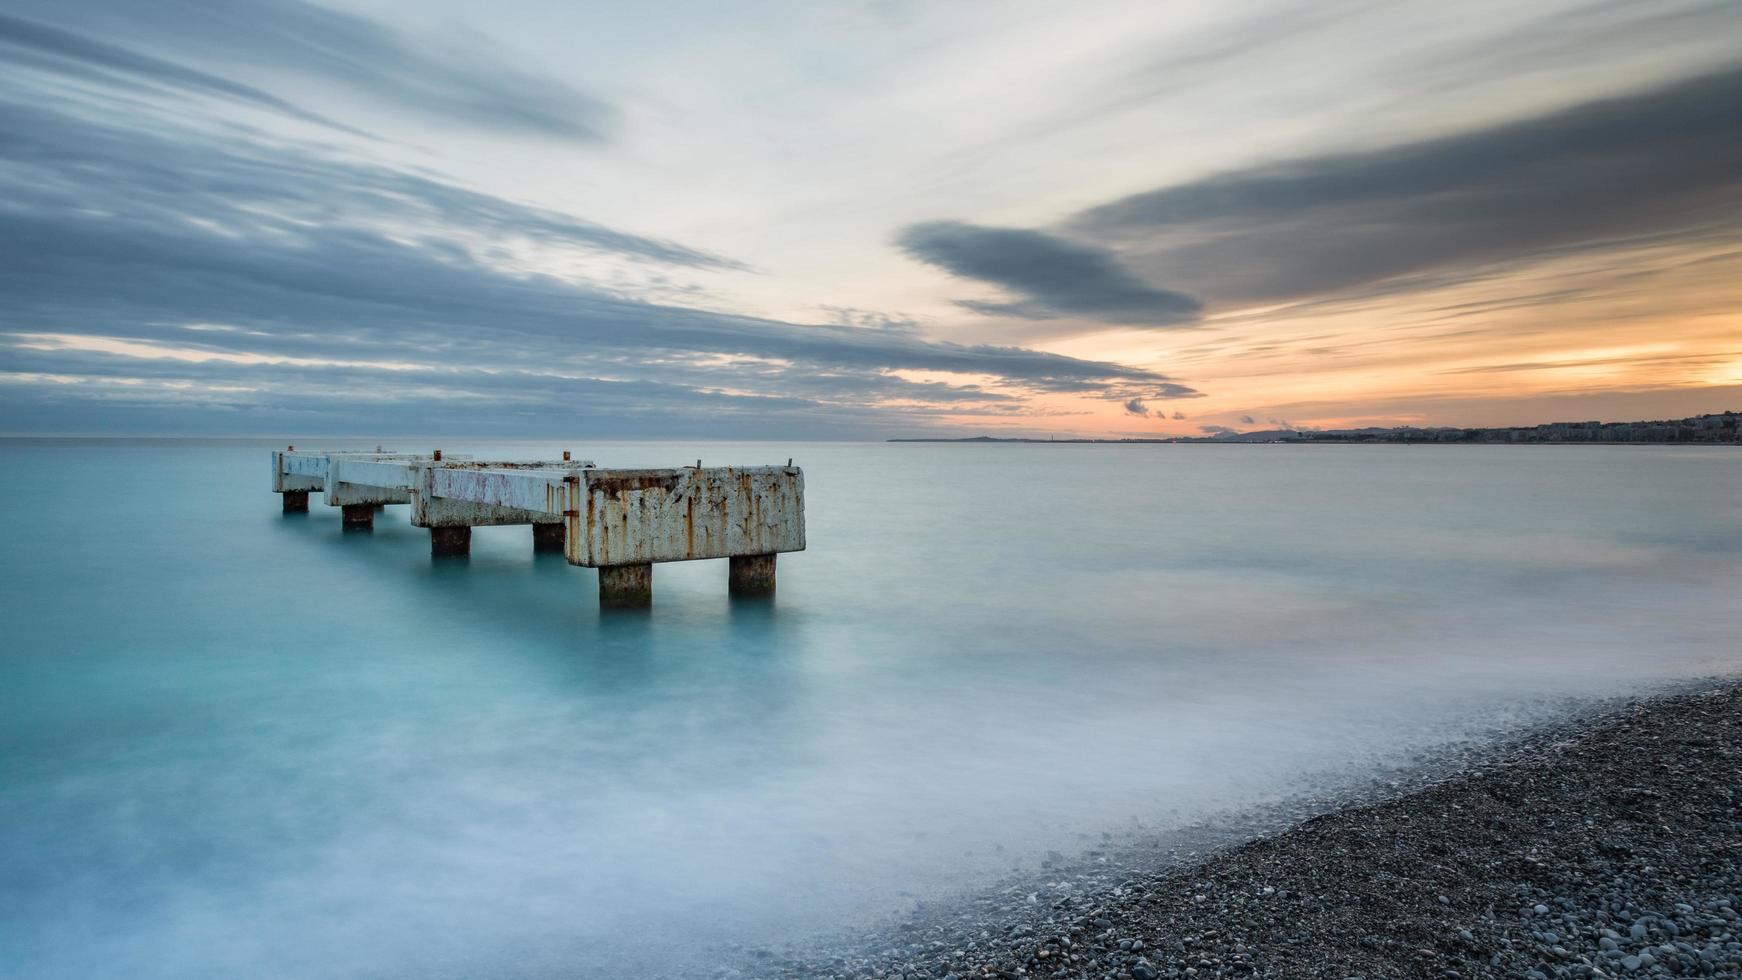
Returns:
<point x="359" y="517"/>
<point x="626" y="586"/>
<point x="750" y="575"/>
<point x="451" y="541"/>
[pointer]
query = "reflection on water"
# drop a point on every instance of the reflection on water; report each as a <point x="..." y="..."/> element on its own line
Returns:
<point x="235" y="742"/>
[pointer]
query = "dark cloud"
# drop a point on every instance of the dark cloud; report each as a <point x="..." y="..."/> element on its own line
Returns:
<point x="1179" y="416"/>
<point x="1246" y="420"/>
<point x="1218" y="430"/>
<point x="1663" y="162"/>
<point x="457" y="82"/>
<point x="1054" y="276"/>
<point x="318" y="287"/>
<point x="1136" y="407"/>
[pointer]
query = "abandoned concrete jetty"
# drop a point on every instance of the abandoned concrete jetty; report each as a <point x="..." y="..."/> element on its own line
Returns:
<point x="621" y="522"/>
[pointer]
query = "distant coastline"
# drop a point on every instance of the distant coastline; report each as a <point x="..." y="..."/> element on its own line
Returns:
<point x="1720" y="428"/>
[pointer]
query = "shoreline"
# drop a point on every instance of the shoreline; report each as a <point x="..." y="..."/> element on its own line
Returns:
<point x="1603" y="845"/>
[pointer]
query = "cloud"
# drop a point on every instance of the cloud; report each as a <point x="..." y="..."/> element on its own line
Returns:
<point x="1136" y="407"/>
<point x="76" y="391"/>
<point x="1666" y="161"/>
<point x="1179" y="416"/>
<point x="458" y="83"/>
<point x="41" y="46"/>
<point x="182" y="277"/>
<point x="849" y="316"/>
<point x="1246" y="420"/>
<point x="1218" y="430"/>
<point x="1053" y="276"/>
<point x="63" y="162"/>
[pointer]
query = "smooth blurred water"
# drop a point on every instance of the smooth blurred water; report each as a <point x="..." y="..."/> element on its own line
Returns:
<point x="238" y="743"/>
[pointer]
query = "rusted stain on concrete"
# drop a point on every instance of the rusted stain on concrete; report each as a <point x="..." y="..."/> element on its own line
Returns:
<point x="636" y="516"/>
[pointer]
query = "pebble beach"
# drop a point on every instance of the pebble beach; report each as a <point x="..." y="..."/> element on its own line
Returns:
<point x="1609" y="846"/>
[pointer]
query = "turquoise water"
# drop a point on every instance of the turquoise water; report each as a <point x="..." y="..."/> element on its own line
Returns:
<point x="239" y="743"/>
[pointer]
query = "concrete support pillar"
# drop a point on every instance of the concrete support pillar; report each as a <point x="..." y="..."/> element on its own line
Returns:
<point x="626" y="586"/>
<point x="548" y="538"/>
<point x="295" y="501"/>
<point x="450" y="542"/>
<point x="751" y="575"/>
<point x="359" y="517"/>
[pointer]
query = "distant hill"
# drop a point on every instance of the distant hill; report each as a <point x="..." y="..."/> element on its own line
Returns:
<point x="1717" y="428"/>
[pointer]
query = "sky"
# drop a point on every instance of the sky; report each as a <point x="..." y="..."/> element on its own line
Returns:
<point x="845" y="221"/>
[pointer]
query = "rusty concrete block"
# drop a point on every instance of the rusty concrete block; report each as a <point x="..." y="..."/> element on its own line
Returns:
<point x="295" y="501"/>
<point x="548" y="538"/>
<point x="450" y="542"/>
<point x="359" y="517"/>
<point x="750" y="575"/>
<point x="341" y="494"/>
<point x="634" y="516"/>
<point x="463" y="493"/>
<point x="626" y="586"/>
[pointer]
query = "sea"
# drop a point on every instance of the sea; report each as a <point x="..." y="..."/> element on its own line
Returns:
<point x="240" y="743"/>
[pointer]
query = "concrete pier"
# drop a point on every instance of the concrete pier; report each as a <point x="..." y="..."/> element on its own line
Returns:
<point x="626" y="586"/>
<point x="619" y="521"/>
<point x="359" y="517"/>
<point x="295" y="501"/>
<point x="750" y="575"/>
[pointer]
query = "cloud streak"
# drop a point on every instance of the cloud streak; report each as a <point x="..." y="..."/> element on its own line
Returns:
<point x="65" y="162"/>
<point x="1053" y="276"/>
<point x="455" y="83"/>
<point x="45" y="47"/>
